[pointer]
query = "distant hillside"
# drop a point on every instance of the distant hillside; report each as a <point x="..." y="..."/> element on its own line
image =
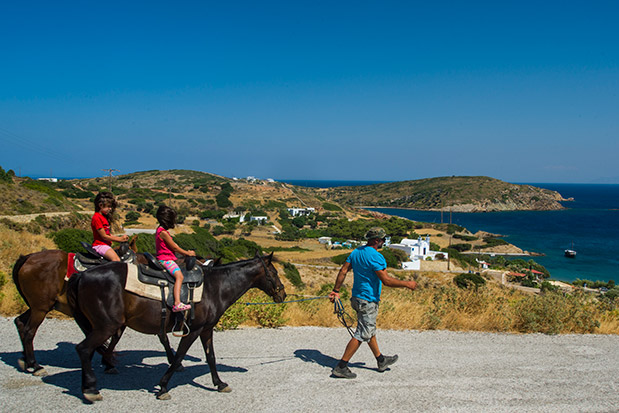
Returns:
<point x="20" y="196"/>
<point x="460" y="193"/>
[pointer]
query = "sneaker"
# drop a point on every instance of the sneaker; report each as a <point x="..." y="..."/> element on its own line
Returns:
<point x="343" y="373"/>
<point x="388" y="361"/>
<point x="181" y="307"/>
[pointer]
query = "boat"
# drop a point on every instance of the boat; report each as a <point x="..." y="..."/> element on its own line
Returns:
<point x="570" y="252"/>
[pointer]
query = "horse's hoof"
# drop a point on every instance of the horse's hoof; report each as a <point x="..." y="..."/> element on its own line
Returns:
<point x="164" y="396"/>
<point x="93" y="397"/>
<point x="40" y="372"/>
<point x="224" y="389"/>
<point x="21" y="363"/>
<point x="111" y="370"/>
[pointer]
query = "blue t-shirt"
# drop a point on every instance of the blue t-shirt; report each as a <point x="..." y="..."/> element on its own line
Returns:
<point x="365" y="261"/>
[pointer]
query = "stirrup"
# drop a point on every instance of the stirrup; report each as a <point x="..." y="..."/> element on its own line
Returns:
<point x="181" y="332"/>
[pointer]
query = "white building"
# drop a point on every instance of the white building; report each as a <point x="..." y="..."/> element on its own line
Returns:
<point x="260" y="219"/>
<point x="417" y="250"/>
<point x="297" y="212"/>
<point x="325" y="240"/>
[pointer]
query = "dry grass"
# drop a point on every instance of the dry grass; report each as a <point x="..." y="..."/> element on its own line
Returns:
<point x="12" y="245"/>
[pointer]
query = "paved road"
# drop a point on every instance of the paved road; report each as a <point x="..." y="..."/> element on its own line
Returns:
<point x="287" y="370"/>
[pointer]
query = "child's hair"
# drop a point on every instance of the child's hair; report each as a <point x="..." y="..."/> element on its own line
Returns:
<point x="106" y="199"/>
<point x="166" y="217"/>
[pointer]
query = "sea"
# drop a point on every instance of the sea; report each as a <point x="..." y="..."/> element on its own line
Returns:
<point x="589" y="225"/>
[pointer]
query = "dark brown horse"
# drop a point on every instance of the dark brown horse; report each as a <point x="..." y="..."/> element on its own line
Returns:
<point x="39" y="278"/>
<point x="101" y="307"/>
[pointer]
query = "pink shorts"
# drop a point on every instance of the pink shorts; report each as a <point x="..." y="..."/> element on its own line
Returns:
<point x="101" y="249"/>
<point x="170" y="266"/>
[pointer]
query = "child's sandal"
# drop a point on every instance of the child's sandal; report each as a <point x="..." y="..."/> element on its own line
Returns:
<point x="181" y="307"/>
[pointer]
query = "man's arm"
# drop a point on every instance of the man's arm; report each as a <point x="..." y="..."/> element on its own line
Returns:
<point x="341" y="276"/>
<point x="390" y="281"/>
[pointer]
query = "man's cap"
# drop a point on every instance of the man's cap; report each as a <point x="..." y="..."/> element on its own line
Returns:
<point x="375" y="232"/>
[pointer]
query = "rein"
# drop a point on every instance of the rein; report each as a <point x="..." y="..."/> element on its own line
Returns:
<point x="338" y="309"/>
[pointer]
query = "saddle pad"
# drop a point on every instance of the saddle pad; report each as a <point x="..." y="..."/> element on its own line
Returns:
<point x="70" y="266"/>
<point x="151" y="291"/>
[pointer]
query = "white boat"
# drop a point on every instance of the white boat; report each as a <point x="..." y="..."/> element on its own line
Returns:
<point x="570" y="252"/>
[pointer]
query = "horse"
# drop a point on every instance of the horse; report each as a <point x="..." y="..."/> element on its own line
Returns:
<point x="39" y="278"/>
<point x="101" y="306"/>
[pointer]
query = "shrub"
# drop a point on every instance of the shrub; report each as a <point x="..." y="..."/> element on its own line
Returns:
<point x="68" y="239"/>
<point x="132" y="217"/>
<point x="292" y="273"/>
<point x="393" y="257"/>
<point x="327" y="206"/>
<point x="233" y="317"/>
<point x="340" y="259"/>
<point x="554" y="313"/>
<point x="461" y="247"/>
<point x="467" y="280"/>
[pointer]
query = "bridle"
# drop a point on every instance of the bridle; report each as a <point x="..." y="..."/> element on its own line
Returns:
<point x="276" y="288"/>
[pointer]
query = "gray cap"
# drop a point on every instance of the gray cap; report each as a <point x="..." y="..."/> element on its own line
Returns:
<point x="375" y="232"/>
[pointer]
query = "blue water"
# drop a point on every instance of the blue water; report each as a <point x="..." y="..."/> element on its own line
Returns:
<point x="591" y="222"/>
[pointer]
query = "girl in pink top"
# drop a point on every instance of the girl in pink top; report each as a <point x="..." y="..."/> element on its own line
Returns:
<point x="166" y="247"/>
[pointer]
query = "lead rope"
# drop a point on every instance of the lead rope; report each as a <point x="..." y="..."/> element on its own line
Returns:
<point x="338" y="309"/>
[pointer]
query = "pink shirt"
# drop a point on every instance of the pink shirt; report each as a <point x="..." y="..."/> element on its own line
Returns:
<point x="163" y="252"/>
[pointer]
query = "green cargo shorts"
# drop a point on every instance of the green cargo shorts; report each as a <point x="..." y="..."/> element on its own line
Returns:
<point x="366" y="318"/>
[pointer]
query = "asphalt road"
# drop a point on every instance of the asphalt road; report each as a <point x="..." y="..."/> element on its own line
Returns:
<point x="288" y="370"/>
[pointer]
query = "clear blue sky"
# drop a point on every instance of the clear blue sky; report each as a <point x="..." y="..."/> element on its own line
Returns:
<point x="523" y="91"/>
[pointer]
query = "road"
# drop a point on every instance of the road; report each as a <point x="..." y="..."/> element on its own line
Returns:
<point x="288" y="370"/>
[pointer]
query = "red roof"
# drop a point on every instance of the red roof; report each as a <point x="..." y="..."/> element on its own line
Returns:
<point x="536" y="272"/>
<point x="516" y="274"/>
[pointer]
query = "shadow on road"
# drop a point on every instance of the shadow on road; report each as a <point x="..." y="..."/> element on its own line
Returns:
<point x="315" y="356"/>
<point x="135" y="370"/>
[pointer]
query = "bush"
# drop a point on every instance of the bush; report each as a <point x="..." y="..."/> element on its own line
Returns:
<point x="467" y="280"/>
<point x="340" y="259"/>
<point x="292" y="273"/>
<point x="327" y="206"/>
<point x="68" y="239"/>
<point x="393" y="257"/>
<point x="554" y="313"/>
<point x="233" y="317"/>
<point x="461" y="247"/>
<point x="132" y="217"/>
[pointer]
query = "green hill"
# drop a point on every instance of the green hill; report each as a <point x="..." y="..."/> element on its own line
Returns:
<point x="459" y="193"/>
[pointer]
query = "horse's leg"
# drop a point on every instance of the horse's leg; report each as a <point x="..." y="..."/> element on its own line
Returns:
<point x="27" y="325"/>
<point x="163" y="338"/>
<point x="85" y="351"/>
<point x="107" y="353"/>
<point x="183" y="347"/>
<point x="207" y="342"/>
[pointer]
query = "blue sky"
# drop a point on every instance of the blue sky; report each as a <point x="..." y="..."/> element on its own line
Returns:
<point x="520" y="91"/>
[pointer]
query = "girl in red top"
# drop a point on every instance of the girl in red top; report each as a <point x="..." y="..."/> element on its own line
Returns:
<point x="105" y="205"/>
<point x="166" y="247"/>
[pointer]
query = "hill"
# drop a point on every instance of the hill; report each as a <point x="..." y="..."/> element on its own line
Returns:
<point x="19" y="196"/>
<point x="459" y="193"/>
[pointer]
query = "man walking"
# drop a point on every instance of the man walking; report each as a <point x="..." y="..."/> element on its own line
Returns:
<point x="370" y="273"/>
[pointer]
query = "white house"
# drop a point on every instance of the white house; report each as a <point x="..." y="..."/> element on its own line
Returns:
<point x="297" y="212"/>
<point x="417" y="250"/>
<point x="260" y="219"/>
<point x="325" y="240"/>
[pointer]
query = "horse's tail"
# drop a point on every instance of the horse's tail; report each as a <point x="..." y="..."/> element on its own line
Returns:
<point x="18" y="264"/>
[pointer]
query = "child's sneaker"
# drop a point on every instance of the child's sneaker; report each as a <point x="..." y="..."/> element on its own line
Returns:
<point x="181" y="307"/>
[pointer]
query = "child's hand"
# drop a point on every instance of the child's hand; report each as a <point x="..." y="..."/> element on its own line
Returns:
<point x="191" y="253"/>
<point x="124" y="238"/>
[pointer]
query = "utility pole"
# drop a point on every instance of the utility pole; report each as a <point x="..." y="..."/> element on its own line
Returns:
<point x="110" y="171"/>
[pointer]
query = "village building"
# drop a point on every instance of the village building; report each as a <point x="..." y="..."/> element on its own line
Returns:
<point x="297" y="212"/>
<point x="260" y="219"/>
<point x="417" y="251"/>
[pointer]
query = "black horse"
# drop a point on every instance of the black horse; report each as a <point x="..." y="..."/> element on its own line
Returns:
<point x="101" y="307"/>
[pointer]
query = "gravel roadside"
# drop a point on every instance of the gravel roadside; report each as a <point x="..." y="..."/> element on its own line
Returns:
<point x="288" y="370"/>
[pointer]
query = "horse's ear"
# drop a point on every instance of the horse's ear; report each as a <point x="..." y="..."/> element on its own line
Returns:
<point x="133" y="243"/>
<point x="271" y="256"/>
<point x="257" y="254"/>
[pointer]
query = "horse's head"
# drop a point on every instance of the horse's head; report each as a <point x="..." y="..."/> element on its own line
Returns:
<point x="269" y="281"/>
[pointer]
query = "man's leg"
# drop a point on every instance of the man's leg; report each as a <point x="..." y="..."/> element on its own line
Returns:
<point x="351" y="348"/>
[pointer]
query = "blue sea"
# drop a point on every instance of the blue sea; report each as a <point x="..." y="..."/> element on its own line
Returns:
<point x="590" y="222"/>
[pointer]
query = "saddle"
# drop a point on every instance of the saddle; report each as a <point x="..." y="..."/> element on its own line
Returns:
<point x="81" y="261"/>
<point x="155" y="274"/>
